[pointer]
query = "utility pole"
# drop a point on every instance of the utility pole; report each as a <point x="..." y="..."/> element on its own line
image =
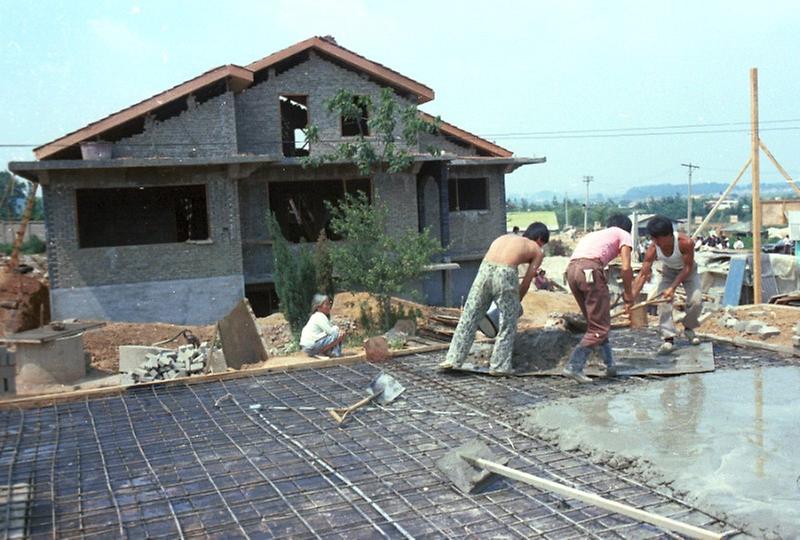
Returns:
<point x="566" y="211"/>
<point x="689" y="203"/>
<point x="587" y="180"/>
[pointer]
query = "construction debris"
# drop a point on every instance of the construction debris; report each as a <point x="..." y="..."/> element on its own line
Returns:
<point x="165" y="365"/>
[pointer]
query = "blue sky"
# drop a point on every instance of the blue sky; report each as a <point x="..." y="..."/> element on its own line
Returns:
<point x="498" y="68"/>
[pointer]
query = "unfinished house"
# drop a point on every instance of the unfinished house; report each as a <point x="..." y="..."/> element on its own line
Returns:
<point x="157" y="212"/>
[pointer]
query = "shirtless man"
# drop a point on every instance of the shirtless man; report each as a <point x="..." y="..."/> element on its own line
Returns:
<point x="676" y="252"/>
<point x="498" y="281"/>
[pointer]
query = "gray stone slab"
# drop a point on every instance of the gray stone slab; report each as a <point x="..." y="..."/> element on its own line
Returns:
<point x="242" y="340"/>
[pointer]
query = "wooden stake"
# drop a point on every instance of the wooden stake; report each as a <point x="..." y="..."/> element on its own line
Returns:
<point x="755" y="171"/>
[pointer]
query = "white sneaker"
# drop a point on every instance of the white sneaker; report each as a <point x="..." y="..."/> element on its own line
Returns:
<point x="691" y="336"/>
<point x="666" y="348"/>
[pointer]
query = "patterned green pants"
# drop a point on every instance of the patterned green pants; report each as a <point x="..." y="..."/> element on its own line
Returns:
<point x="496" y="282"/>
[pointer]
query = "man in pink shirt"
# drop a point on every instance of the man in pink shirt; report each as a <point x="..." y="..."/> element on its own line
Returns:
<point x="587" y="280"/>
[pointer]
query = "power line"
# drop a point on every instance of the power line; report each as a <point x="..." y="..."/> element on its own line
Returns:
<point x="601" y="133"/>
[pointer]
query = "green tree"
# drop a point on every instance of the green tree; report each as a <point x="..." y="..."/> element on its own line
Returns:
<point x="386" y="121"/>
<point x="13" y="193"/>
<point x="323" y="265"/>
<point x="295" y="278"/>
<point x="369" y="259"/>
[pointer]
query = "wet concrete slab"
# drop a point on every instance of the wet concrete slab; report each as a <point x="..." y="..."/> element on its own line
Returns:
<point x="728" y="439"/>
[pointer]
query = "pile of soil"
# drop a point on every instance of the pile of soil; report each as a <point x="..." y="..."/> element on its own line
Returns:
<point x="782" y="317"/>
<point x="537" y="305"/>
<point x="24" y="301"/>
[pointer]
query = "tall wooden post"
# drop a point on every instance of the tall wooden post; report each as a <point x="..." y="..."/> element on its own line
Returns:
<point x="755" y="170"/>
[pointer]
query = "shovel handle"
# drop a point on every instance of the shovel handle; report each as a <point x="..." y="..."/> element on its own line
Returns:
<point x="340" y="414"/>
<point x="651" y="302"/>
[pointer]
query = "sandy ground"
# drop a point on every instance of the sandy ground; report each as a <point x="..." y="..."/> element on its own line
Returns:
<point x="783" y="317"/>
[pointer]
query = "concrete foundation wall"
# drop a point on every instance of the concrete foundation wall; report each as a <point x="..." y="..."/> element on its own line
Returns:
<point x="71" y="266"/>
<point x="258" y="107"/>
<point x="183" y="301"/>
<point x="206" y="129"/>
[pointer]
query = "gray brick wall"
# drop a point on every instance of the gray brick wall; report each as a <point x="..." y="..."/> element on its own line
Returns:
<point x="440" y="142"/>
<point x="72" y="266"/>
<point x="473" y="230"/>
<point x="258" y="109"/>
<point x="207" y="129"/>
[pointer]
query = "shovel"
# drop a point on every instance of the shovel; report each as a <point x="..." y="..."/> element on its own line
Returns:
<point x="384" y="388"/>
<point x="470" y="466"/>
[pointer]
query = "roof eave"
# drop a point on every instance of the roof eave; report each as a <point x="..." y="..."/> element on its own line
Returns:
<point x="239" y="77"/>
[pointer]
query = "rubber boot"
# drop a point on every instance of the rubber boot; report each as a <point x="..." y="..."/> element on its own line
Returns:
<point x="574" y="368"/>
<point x="608" y="359"/>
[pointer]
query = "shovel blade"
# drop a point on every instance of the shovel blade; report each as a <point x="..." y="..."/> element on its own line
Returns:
<point x="385" y="388"/>
<point x="466" y="476"/>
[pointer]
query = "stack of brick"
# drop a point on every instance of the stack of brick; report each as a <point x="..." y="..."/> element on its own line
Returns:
<point x="164" y="365"/>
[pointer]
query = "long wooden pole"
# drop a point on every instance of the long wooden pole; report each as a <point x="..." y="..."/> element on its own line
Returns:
<point x="590" y="498"/>
<point x="721" y="198"/>
<point x="778" y="166"/>
<point x="755" y="171"/>
<point x="20" y="235"/>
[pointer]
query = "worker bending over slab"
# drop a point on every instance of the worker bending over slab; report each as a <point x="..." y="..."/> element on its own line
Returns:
<point x="675" y="251"/>
<point x="498" y="280"/>
<point x="588" y="282"/>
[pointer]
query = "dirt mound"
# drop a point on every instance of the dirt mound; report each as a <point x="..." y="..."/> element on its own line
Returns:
<point x="537" y="305"/>
<point x="24" y="302"/>
<point x="783" y="317"/>
<point x="103" y="343"/>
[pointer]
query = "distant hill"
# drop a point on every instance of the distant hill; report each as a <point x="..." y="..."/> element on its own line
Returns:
<point x="702" y="188"/>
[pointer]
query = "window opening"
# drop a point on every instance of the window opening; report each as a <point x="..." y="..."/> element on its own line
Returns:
<point x="357" y="124"/>
<point x="137" y="216"/>
<point x="294" y="125"/>
<point x="300" y="207"/>
<point x="468" y="194"/>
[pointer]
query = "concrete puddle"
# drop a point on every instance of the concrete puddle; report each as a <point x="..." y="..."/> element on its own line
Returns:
<point x="728" y="440"/>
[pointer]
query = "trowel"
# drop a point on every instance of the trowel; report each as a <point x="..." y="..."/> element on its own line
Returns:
<point x="384" y="388"/>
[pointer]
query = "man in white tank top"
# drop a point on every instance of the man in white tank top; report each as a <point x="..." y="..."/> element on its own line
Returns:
<point x="675" y="252"/>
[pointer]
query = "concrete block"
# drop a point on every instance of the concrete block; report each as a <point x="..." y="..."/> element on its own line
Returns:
<point x="196" y="366"/>
<point x="753" y="327"/>
<point x="768" y="331"/>
<point x="731" y="322"/>
<point x="740" y="326"/>
<point x="60" y="361"/>
<point x="133" y="356"/>
<point x="796" y="341"/>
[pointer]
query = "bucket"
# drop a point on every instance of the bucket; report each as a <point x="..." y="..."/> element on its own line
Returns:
<point x="96" y="150"/>
<point x="490" y="322"/>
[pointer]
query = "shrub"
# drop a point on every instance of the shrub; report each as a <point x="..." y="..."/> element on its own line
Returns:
<point x="294" y="276"/>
